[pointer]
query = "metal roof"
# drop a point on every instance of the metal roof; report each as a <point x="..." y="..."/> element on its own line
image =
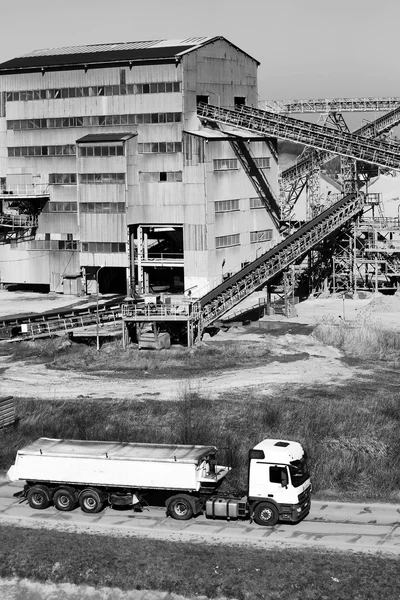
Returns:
<point x="106" y="137"/>
<point x="117" y="450"/>
<point x="86" y="56"/>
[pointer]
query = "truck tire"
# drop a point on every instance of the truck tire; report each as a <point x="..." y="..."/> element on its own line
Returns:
<point x="38" y="497"/>
<point x="266" y="514"/>
<point x="64" y="499"/>
<point x="180" y="508"/>
<point x="90" y="501"/>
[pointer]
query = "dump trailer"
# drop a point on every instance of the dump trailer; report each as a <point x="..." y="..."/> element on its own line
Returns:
<point x="185" y="479"/>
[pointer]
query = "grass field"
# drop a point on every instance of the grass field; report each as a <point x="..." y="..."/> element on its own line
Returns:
<point x="194" y="569"/>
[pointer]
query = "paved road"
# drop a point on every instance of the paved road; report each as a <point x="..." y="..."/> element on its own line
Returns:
<point x="368" y="528"/>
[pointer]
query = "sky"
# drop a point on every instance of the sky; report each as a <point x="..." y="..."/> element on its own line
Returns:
<point x="307" y="48"/>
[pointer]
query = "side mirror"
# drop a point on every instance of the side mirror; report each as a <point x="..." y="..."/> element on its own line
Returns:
<point x="284" y="479"/>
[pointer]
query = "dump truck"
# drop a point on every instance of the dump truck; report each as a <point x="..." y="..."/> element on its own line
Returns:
<point x="184" y="478"/>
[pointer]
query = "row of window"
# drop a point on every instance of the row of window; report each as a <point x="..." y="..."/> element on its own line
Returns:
<point x="232" y="205"/>
<point x="102" y="178"/>
<point x="101" y="150"/>
<point x="53" y="245"/>
<point x="85" y="207"/>
<point x="119" y="207"/>
<point x="225" y="241"/>
<point x="117" y="247"/>
<point x="95" y="121"/>
<point x="160" y="147"/>
<point x="230" y="164"/>
<point x="85" y="178"/>
<point x="102" y="207"/>
<point x="104" y="247"/>
<point x="65" y="150"/>
<point x="226" y="205"/>
<point x="156" y="176"/>
<point x="62" y="178"/>
<point x="95" y="90"/>
<point x="60" y="207"/>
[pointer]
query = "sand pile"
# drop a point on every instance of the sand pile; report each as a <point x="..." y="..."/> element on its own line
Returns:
<point x="383" y="304"/>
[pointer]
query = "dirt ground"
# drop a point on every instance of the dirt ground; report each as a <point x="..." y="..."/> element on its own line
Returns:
<point x="312" y="362"/>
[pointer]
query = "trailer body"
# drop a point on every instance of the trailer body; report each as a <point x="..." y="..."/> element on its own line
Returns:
<point x="93" y="473"/>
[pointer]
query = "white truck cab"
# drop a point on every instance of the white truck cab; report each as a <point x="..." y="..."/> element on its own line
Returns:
<point x="279" y="482"/>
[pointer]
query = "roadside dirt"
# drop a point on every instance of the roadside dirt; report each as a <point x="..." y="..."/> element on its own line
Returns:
<point x="300" y="359"/>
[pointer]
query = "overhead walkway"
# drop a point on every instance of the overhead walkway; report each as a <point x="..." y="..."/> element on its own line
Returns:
<point x="228" y="294"/>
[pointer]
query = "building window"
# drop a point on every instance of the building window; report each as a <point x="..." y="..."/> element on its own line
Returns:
<point x="103" y="90"/>
<point x="239" y="101"/>
<point x="157" y="177"/>
<point x="200" y="98"/>
<point x="227" y="240"/>
<point x="226" y="205"/>
<point x="101" y="150"/>
<point x="66" y="150"/>
<point x="159" y="147"/>
<point x="260" y="236"/>
<point x="62" y="178"/>
<point x="225" y="164"/>
<point x="94" y="121"/>
<point x="61" y="207"/>
<point x="103" y="247"/>
<point x="102" y="207"/>
<point x="263" y="162"/>
<point x="91" y="178"/>
<point x="256" y="203"/>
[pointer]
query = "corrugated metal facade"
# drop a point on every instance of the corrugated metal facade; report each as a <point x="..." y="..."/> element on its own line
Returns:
<point x="170" y="178"/>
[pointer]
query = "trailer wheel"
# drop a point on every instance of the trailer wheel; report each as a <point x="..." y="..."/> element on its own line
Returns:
<point x="64" y="500"/>
<point x="90" y="501"/>
<point x="266" y="514"/>
<point x="181" y="509"/>
<point x="38" y="497"/>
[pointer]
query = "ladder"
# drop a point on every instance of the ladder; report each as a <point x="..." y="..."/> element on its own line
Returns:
<point x="230" y="292"/>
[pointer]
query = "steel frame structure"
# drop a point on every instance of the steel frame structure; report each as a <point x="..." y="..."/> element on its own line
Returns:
<point x="327" y="105"/>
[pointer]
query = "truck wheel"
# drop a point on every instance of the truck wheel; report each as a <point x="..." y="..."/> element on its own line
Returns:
<point x="38" y="497"/>
<point x="64" y="500"/>
<point x="181" y="509"/>
<point x="90" y="501"/>
<point x="266" y="514"/>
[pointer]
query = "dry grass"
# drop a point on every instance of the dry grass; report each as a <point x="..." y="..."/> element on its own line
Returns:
<point x="215" y="571"/>
<point x="363" y="338"/>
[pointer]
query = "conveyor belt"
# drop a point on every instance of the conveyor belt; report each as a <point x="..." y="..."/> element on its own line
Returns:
<point x="229" y="293"/>
<point x="279" y="126"/>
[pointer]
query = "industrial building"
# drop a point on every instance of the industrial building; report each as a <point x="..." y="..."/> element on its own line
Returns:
<point x="106" y="170"/>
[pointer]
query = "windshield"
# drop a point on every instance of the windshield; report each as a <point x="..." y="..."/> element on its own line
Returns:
<point x="298" y="472"/>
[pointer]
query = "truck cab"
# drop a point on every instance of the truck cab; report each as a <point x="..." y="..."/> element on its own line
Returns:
<point x="279" y="485"/>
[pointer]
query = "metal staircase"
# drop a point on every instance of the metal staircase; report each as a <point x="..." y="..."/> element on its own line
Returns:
<point x="257" y="177"/>
<point x="279" y="126"/>
<point x="229" y="293"/>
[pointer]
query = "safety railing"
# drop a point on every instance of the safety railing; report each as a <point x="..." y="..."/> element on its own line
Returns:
<point x="24" y="191"/>
<point x="169" y="312"/>
<point x="18" y="221"/>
